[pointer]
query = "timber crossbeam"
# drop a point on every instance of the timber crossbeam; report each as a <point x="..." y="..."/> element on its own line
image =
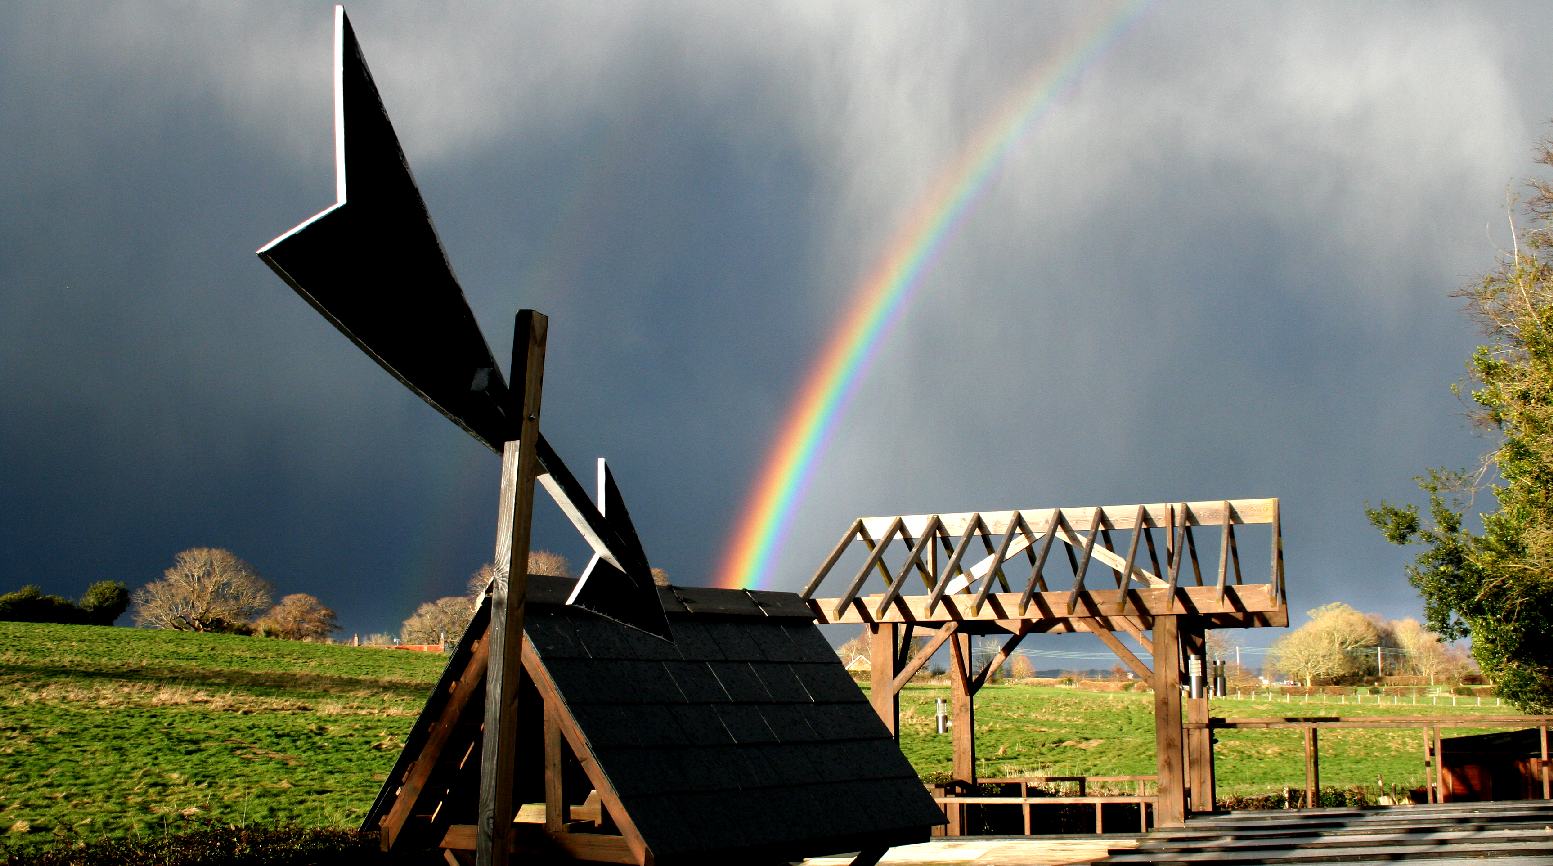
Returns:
<point x="1250" y="606"/>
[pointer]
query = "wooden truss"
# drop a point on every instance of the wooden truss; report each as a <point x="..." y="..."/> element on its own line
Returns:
<point x="1141" y="570"/>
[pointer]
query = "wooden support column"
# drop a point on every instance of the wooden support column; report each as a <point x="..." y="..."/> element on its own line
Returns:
<point x="1171" y="809"/>
<point x="882" y="658"/>
<point x="557" y="809"/>
<point x="518" y="468"/>
<point x="1199" y="741"/>
<point x="1312" y="767"/>
<point x="962" y="705"/>
<point x="1547" y="783"/>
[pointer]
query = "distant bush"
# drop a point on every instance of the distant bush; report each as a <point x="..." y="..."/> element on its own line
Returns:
<point x="227" y="845"/>
<point x="103" y="602"/>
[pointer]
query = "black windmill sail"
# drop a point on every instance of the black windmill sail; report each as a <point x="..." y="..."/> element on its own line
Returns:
<point x="372" y="265"/>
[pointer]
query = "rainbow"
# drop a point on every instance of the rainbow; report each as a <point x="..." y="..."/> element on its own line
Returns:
<point x="885" y="293"/>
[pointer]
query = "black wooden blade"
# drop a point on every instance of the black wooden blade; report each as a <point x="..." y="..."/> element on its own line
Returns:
<point x="372" y="264"/>
<point x="626" y="595"/>
<point x="609" y="592"/>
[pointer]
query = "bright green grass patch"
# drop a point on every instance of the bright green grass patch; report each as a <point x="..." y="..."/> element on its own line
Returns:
<point x="1047" y="730"/>
<point x="117" y="732"/>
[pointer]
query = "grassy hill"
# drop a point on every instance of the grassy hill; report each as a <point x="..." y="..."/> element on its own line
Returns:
<point x="117" y="731"/>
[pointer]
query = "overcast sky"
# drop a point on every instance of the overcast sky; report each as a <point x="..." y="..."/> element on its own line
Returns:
<point x="1218" y="267"/>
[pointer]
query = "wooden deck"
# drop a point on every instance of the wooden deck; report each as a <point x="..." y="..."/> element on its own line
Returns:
<point x="996" y="851"/>
<point x="1501" y="834"/>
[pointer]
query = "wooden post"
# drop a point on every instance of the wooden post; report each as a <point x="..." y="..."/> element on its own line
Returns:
<point x="882" y="656"/>
<point x="557" y="809"/>
<point x="1546" y="781"/>
<point x="962" y="707"/>
<point x="1312" y="768"/>
<point x="1171" y="810"/>
<point x="1439" y="766"/>
<point x="518" y="468"/>
<point x="1199" y="741"/>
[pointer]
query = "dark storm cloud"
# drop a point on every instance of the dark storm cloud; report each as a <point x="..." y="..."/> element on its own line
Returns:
<point x="1218" y="267"/>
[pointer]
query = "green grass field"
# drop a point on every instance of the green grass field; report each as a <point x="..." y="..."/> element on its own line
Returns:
<point x="116" y="732"/>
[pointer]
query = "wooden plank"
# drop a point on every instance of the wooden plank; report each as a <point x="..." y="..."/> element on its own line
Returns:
<point x="1384" y="721"/>
<point x="1207" y="513"/>
<point x="508" y="589"/>
<point x="1126" y="655"/>
<point x="1037" y="576"/>
<point x="557" y="810"/>
<point x="1194" y="600"/>
<point x="1170" y="811"/>
<point x="1224" y="549"/>
<point x="436" y="741"/>
<point x="527" y="844"/>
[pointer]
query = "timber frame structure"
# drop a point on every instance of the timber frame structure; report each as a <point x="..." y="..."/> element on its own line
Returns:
<point x="1165" y="605"/>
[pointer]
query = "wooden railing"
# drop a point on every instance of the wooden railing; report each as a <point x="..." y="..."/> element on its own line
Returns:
<point x="954" y="795"/>
<point x="1430" y="725"/>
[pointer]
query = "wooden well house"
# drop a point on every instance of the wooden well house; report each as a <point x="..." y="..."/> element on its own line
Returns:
<point x="1142" y="572"/>
<point x="742" y="740"/>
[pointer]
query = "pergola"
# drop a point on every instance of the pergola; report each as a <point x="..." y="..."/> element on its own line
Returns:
<point x="1119" y="579"/>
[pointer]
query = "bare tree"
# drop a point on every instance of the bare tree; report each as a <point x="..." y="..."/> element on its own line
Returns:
<point x="437" y="621"/>
<point x="1326" y="647"/>
<point x="207" y="589"/>
<point x="1427" y="655"/>
<point x="1021" y="668"/>
<point x="299" y="616"/>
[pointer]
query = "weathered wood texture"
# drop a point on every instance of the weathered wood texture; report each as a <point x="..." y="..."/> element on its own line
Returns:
<point x="1170" y="810"/>
<point x="507" y="593"/>
<point x="1468" y="834"/>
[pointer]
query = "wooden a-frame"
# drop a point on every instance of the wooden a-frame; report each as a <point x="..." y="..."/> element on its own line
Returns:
<point x="1165" y="607"/>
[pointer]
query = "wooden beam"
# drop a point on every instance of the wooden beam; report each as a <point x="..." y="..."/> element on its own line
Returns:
<point x="882" y="669"/>
<point x="1313" y="768"/>
<point x="608" y="797"/>
<point x="962" y="700"/>
<point x="913" y="559"/>
<point x="557" y="810"/>
<point x="1002" y="655"/>
<point x="830" y="561"/>
<point x="519" y="467"/>
<point x="436" y="741"/>
<point x="1208" y="513"/>
<point x="1108" y="638"/>
<point x="875" y="557"/>
<point x="1083" y="567"/>
<point x="1147" y="603"/>
<point x="914" y="664"/>
<point x="1171" y="808"/>
<point x="1199" y="741"/>
<point x="996" y="559"/>
<point x="946" y="577"/>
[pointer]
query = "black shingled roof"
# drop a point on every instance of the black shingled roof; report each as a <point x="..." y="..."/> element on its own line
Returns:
<point x="743" y="735"/>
